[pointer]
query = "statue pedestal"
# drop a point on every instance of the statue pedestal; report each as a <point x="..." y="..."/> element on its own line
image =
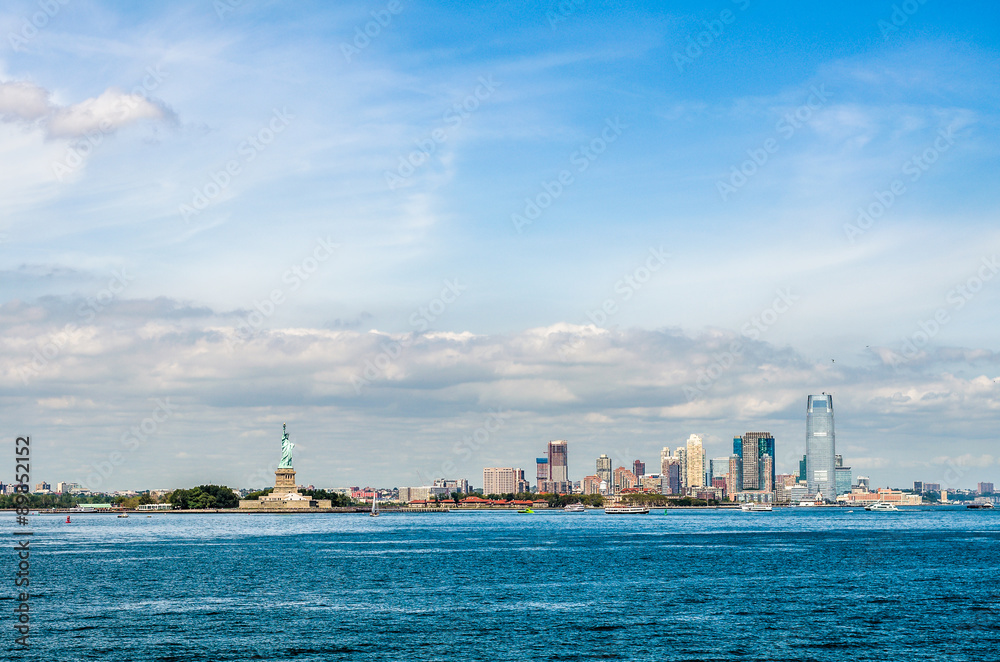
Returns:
<point x="285" y="495"/>
<point x="284" y="481"/>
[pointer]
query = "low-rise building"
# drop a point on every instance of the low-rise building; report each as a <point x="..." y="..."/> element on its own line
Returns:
<point x="862" y="497"/>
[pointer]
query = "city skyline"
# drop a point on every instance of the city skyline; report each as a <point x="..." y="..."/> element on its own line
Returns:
<point x="615" y="228"/>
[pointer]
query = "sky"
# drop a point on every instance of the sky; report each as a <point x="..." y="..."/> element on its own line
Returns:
<point x="431" y="237"/>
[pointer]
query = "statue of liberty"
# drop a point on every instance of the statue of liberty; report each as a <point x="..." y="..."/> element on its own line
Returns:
<point x="286" y="450"/>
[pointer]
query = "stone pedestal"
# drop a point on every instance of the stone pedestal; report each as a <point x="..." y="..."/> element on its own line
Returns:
<point x="284" y="481"/>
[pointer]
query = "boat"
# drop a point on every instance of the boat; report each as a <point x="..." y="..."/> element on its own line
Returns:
<point x="882" y="507"/>
<point x="979" y="505"/>
<point x="575" y="508"/>
<point x="756" y="508"/>
<point x="526" y="511"/>
<point x="123" y="515"/>
<point x="626" y="510"/>
<point x="374" y="512"/>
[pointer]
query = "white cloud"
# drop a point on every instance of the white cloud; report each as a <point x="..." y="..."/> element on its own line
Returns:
<point x="619" y="391"/>
<point x="26" y="102"/>
<point x="23" y="101"/>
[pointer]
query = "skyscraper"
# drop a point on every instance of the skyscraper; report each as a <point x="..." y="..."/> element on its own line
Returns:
<point x="664" y="459"/>
<point x="843" y="479"/>
<point x="604" y="469"/>
<point x="820" y="446"/>
<point x="752" y="448"/>
<point x="681" y="455"/>
<point x="734" y="479"/>
<point x="541" y="470"/>
<point x="639" y="468"/>
<point x="558" y="462"/>
<point x="695" y="462"/>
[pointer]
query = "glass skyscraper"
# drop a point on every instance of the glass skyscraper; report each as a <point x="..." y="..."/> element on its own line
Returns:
<point x="751" y="448"/>
<point x="821" y="462"/>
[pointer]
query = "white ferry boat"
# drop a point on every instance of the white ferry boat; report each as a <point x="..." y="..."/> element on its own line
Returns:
<point x="756" y="508"/>
<point x="575" y="508"/>
<point x="626" y="510"/>
<point x="882" y="507"/>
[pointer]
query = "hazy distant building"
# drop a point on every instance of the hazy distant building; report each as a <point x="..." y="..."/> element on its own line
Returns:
<point x="932" y="487"/>
<point x="604" y="468"/>
<point x="639" y="468"/>
<point x="695" y="462"/>
<point x="802" y="469"/>
<point x="821" y="446"/>
<point x="500" y="480"/>
<point x="984" y="488"/>
<point x="864" y="483"/>
<point x="918" y="487"/>
<point x="665" y="458"/>
<point x="558" y="461"/>
<point x="838" y="461"/>
<point x="461" y="485"/>
<point x="425" y="493"/>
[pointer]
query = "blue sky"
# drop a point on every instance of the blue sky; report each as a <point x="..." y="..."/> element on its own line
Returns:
<point x="117" y="126"/>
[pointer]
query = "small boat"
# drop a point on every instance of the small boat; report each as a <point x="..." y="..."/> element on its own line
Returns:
<point x="980" y="505"/>
<point x="626" y="510"/>
<point x="526" y="511"/>
<point x="881" y="507"/>
<point x="756" y="508"/>
<point x="374" y="512"/>
<point x="122" y="515"/>
<point x="575" y="508"/>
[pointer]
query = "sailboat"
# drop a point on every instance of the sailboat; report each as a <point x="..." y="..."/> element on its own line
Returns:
<point x="374" y="512"/>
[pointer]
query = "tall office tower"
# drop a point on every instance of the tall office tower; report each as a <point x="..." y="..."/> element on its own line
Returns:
<point x="821" y="446"/>
<point x="752" y="448"/>
<point x="558" y="464"/>
<point x="838" y="461"/>
<point x="499" y="480"/>
<point x="984" y="488"/>
<point x="767" y="473"/>
<point x="695" y="462"/>
<point x="639" y="468"/>
<point x="734" y="478"/>
<point x="918" y="487"/>
<point x="843" y="479"/>
<point x="542" y="470"/>
<point x="604" y="469"/>
<point x="664" y="459"/>
<point x="802" y="469"/>
<point x="681" y="455"/>
<point x="672" y="477"/>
